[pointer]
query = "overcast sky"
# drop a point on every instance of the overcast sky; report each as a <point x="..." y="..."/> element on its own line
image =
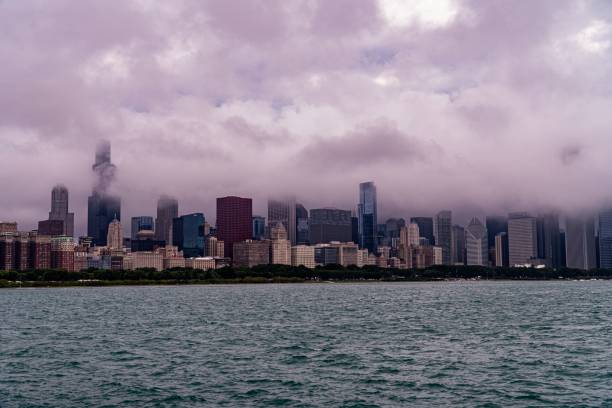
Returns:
<point x="476" y="106"/>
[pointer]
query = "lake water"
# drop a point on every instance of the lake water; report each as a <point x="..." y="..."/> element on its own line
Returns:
<point x="305" y="345"/>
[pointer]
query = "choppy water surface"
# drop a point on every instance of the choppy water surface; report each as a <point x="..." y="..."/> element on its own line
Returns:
<point x="351" y="345"/>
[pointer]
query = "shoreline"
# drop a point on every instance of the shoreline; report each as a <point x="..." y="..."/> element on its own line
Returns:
<point x="258" y="281"/>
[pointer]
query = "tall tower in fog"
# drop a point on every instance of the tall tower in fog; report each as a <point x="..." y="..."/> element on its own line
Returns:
<point x="59" y="209"/>
<point x="102" y="206"/>
<point x="284" y="211"/>
<point x="367" y="216"/>
<point x="580" y="243"/>
<point x="167" y="210"/>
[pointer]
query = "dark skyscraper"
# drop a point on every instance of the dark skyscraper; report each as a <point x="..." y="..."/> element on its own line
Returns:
<point x="301" y="224"/>
<point x="188" y="234"/>
<point x="605" y="239"/>
<point x="167" y="211"/>
<point x="234" y="221"/>
<point x="141" y="223"/>
<point x="443" y="235"/>
<point x="495" y="224"/>
<point x="102" y="207"/>
<point x="330" y="224"/>
<point x="368" y="216"/>
<point x="549" y="240"/>
<point x="59" y="209"/>
<point x="259" y="227"/>
<point x="580" y="243"/>
<point x="426" y="229"/>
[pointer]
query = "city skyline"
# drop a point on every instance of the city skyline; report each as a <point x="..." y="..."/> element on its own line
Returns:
<point x="103" y="194"/>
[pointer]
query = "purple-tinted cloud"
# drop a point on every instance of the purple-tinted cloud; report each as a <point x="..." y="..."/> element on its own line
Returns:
<point x="476" y="106"/>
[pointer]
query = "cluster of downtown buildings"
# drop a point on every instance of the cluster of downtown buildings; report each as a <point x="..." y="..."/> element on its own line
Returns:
<point x="292" y="235"/>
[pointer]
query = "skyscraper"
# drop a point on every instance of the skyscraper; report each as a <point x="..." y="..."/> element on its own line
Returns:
<point x="501" y="249"/>
<point x="280" y="247"/>
<point x="284" y="211"/>
<point x="476" y="243"/>
<point x="495" y="224"/>
<point x="167" y="210"/>
<point x="522" y="239"/>
<point x="114" y="237"/>
<point x="605" y="239"/>
<point x="580" y="242"/>
<point x="234" y="221"/>
<point x="102" y="207"/>
<point x="425" y="227"/>
<point x="259" y="227"/>
<point x="549" y="239"/>
<point x="141" y="223"/>
<point x="368" y="216"/>
<point x="188" y="234"/>
<point x="302" y="227"/>
<point x="443" y="234"/>
<point x="458" y="245"/>
<point x="59" y="209"/>
<point x="329" y="224"/>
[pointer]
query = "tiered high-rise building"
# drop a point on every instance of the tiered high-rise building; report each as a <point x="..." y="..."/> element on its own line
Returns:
<point x="59" y="210"/>
<point x="102" y="206"/>
<point x="367" y="212"/>
<point x="280" y="247"/>
<point x="115" y="236"/>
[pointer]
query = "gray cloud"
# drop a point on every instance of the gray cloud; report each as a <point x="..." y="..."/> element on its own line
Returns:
<point x="207" y="98"/>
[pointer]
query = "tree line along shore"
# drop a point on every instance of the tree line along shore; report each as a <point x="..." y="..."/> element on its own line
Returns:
<point x="283" y="273"/>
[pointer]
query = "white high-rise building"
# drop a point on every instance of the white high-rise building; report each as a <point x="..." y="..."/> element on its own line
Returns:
<point x="522" y="239"/>
<point x="114" y="237"/>
<point x="476" y="243"/>
<point x="280" y="246"/>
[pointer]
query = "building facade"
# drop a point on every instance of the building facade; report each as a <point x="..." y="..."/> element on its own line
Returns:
<point x="580" y="243"/>
<point x="167" y="211"/>
<point x="251" y="253"/>
<point x="284" y="211"/>
<point x="443" y="234"/>
<point x="188" y="234"/>
<point x="367" y="212"/>
<point x="605" y="239"/>
<point x="522" y="239"/>
<point x="60" y="210"/>
<point x="234" y="221"/>
<point x="476" y="243"/>
<point x="141" y="223"/>
<point x="329" y="224"/>
<point x="303" y="255"/>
